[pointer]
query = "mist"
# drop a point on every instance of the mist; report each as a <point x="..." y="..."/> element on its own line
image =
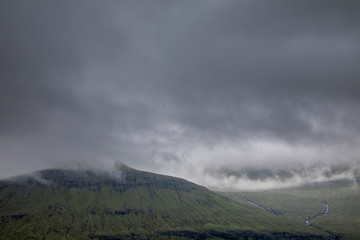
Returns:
<point x="207" y="91"/>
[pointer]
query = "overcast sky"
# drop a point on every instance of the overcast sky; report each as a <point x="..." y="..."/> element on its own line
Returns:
<point x="204" y="90"/>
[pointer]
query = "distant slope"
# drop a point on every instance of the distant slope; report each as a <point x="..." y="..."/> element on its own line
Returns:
<point x="308" y="203"/>
<point x="130" y="204"/>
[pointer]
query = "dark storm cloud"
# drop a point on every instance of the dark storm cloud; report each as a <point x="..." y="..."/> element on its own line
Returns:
<point x="178" y="85"/>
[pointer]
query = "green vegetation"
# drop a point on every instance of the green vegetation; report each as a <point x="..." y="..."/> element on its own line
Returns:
<point x="305" y="203"/>
<point x="130" y="204"/>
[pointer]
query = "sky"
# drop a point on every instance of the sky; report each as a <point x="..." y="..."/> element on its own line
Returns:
<point x="229" y="94"/>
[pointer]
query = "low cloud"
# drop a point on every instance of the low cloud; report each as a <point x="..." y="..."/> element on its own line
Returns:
<point x="34" y="177"/>
<point x="184" y="88"/>
<point x="265" y="165"/>
<point x="255" y="179"/>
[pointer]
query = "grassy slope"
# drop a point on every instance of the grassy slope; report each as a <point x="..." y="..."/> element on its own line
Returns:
<point x="304" y="203"/>
<point x="83" y="205"/>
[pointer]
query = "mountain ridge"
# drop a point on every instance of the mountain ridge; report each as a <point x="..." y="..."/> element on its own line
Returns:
<point x="125" y="203"/>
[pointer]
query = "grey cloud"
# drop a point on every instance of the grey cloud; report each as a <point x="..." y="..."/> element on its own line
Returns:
<point x="262" y="179"/>
<point x="153" y="83"/>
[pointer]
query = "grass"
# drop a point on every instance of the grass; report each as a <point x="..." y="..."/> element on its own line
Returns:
<point x="304" y="203"/>
<point x="80" y="204"/>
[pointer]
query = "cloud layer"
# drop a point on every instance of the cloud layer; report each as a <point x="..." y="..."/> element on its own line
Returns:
<point x="186" y="88"/>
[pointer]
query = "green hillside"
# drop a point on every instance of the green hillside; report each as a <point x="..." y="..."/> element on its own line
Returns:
<point x="130" y="204"/>
<point x="307" y="203"/>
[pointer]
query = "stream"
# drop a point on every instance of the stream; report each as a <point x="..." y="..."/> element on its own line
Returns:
<point x="307" y="222"/>
<point x="270" y="210"/>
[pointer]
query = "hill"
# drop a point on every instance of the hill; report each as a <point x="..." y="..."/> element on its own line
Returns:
<point x="332" y="207"/>
<point x="129" y="204"/>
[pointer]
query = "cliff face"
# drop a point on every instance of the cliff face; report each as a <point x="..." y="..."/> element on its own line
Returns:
<point x="127" y="204"/>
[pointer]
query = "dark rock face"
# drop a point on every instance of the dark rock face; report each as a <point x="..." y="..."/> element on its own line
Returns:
<point x="15" y="216"/>
<point x="237" y="235"/>
<point x="229" y="235"/>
